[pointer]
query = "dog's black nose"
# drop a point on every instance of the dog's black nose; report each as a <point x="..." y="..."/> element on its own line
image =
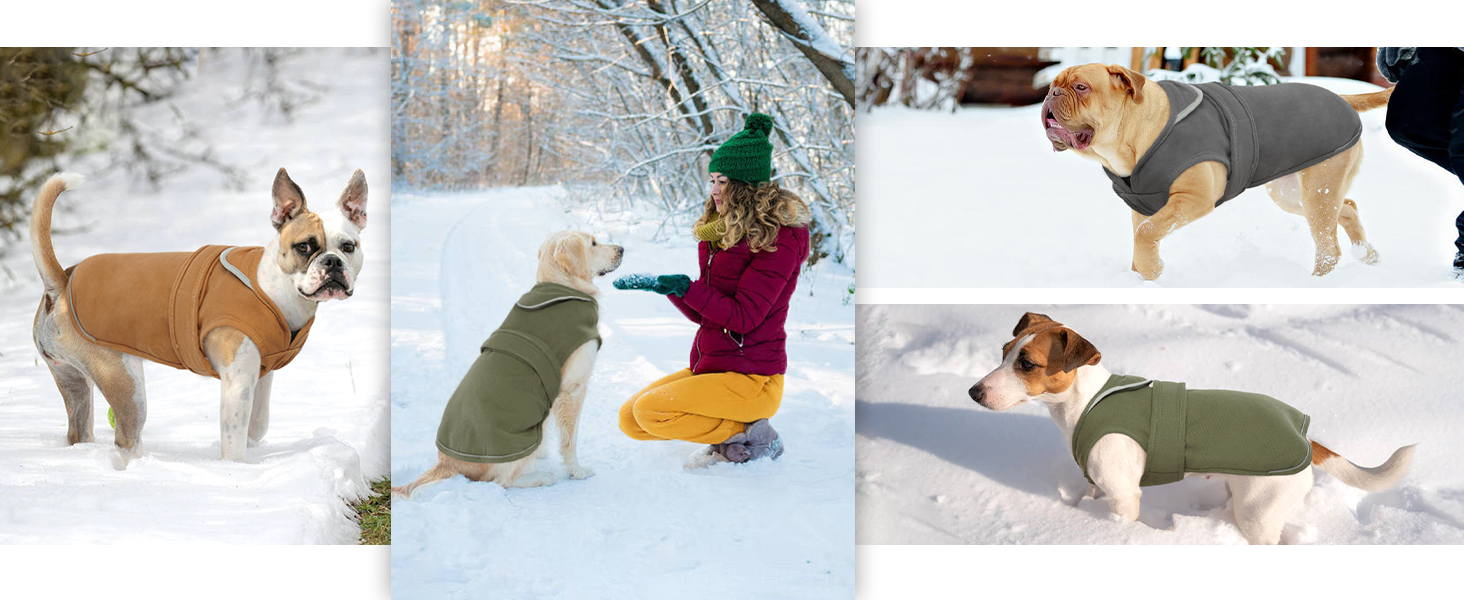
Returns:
<point x="977" y="391"/>
<point x="332" y="261"/>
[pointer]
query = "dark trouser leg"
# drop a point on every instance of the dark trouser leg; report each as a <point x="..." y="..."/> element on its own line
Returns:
<point x="1426" y="116"/>
<point x="1456" y="161"/>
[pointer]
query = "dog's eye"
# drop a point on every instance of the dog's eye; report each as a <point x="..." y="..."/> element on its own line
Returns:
<point x="348" y="247"/>
<point x="1026" y="365"/>
<point x="594" y="243"/>
<point x="302" y="248"/>
<point x="1081" y="87"/>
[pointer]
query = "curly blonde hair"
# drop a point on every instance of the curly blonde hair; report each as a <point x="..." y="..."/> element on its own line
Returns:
<point x="756" y="212"/>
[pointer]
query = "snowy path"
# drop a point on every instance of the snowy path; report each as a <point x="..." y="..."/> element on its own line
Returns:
<point x="329" y="410"/>
<point x="641" y="526"/>
<point x="936" y="468"/>
<point x="979" y="199"/>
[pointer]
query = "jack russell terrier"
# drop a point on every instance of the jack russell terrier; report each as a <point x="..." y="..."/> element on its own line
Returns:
<point x="232" y="313"/>
<point x="1129" y="432"/>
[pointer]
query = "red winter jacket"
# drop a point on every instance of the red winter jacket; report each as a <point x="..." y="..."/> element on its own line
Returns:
<point x="741" y="302"/>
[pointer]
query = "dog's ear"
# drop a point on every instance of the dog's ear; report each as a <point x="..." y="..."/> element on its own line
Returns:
<point x="289" y="201"/>
<point x="1076" y="351"/>
<point x="572" y="255"/>
<point x="1128" y="79"/>
<point x="353" y="200"/>
<point x="1027" y="321"/>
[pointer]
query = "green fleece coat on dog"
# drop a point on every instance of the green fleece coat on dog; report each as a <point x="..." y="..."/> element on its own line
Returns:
<point x="497" y="413"/>
<point x="1195" y="431"/>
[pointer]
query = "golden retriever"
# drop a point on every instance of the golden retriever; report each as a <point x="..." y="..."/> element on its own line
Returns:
<point x="572" y="259"/>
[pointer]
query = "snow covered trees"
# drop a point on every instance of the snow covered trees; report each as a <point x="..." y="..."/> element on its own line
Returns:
<point x="631" y="95"/>
<point x="78" y="109"/>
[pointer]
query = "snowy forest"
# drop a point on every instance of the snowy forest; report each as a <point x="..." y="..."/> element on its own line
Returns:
<point x="79" y="109"/>
<point x="625" y="100"/>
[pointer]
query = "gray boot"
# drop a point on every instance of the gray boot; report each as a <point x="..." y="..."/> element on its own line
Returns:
<point x="734" y="449"/>
<point x="762" y="441"/>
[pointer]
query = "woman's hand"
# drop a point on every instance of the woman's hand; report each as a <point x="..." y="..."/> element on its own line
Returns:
<point x="660" y="284"/>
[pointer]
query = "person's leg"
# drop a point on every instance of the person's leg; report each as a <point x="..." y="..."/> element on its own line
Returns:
<point x="707" y="408"/>
<point x="1424" y="116"/>
<point x="1422" y="106"/>
<point x="627" y="417"/>
<point x="1456" y="151"/>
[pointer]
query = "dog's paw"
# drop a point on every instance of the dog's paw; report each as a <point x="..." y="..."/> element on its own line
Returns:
<point x="1365" y="253"/>
<point x="1151" y="271"/>
<point x="581" y="472"/>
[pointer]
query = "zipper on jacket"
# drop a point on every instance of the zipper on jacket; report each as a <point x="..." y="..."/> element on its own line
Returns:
<point x="696" y="341"/>
<point x="735" y="339"/>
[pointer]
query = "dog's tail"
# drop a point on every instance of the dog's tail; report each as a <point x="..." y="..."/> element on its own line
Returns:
<point x="433" y="475"/>
<point x="1375" y="479"/>
<point x="1367" y="102"/>
<point x="40" y="229"/>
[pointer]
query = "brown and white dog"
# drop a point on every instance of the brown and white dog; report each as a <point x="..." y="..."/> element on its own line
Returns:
<point x="1112" y="115"/>
<point x="1050" y="363"/>
<point x="573" y="259"/>
<point x="312" y="258"/>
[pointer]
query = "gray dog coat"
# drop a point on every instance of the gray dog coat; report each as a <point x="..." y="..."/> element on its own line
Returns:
<point x="1195" y="431"/>
<point x="1259" y="133"/>
<point x="497" y="413"/>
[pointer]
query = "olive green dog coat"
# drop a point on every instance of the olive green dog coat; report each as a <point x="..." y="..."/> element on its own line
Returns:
<point x="1195" y="431"/>
<point x="1258" y="132"/>
<point x="497" y="413"/>
<point x="161" y="305"/>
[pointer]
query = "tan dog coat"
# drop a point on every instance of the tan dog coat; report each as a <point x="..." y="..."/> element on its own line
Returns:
<point x="161" y="305"/>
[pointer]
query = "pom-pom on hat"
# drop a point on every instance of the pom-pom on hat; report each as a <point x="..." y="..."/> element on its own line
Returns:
<point x="747" y="156"/>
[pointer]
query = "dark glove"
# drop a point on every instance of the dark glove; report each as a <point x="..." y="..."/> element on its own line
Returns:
<point x="1392" y="61"/>
<point x="660" y="284"/>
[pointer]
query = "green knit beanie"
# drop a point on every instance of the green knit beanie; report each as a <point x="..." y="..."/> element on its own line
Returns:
<point x="747" y="156"/>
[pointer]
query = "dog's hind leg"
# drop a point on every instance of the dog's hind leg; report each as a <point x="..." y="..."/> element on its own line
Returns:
<point x="1285" y="191"/>
<point x="76" y="391"/>
<point x="119" y="377"/>
<point x="1352" y="224"/>
<point x="1351" y="221"/>
<point x="1262" y="504"/>
<point x="1323" y="188"/>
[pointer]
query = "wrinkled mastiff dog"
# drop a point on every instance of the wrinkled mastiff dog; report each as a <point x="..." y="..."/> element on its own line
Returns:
<point x="1174" y="151"/>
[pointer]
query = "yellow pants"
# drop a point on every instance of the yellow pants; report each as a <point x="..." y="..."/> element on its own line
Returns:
<point x="706" y="409"/>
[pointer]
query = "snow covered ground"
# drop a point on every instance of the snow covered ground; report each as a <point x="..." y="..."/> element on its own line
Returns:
<point x="979" y="199"/>
<point x="936" y="468"/>
<point x="641" y="527"/>
<point x="329" y="411"/>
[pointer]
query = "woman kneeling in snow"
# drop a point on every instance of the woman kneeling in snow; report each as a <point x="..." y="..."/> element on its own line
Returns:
<point x="753" y="239"/>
